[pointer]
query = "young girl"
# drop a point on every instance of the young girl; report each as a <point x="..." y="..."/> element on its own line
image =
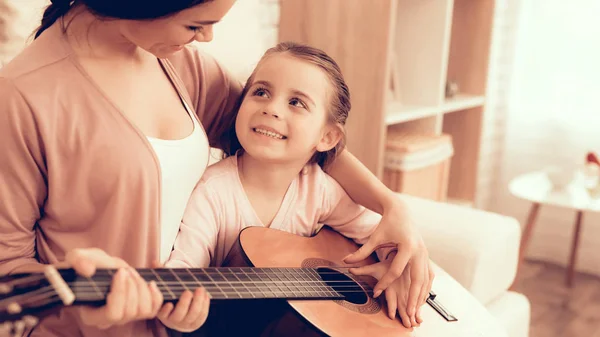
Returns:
<point x="289" y="125"/>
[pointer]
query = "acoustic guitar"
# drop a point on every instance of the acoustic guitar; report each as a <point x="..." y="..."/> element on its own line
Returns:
<point x="308" y="272"/>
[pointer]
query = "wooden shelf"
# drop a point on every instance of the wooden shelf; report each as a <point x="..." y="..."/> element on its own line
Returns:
<point x="462" y="102"/>
<point x="398" y="113"/>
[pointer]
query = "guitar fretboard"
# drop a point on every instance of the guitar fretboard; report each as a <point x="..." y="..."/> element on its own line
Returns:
<point x="224" y="283"/>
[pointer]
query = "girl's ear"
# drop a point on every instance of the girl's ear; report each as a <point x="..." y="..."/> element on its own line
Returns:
<point x="331" y="137"/>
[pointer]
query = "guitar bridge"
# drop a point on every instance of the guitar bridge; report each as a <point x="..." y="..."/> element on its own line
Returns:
<point x="437" y="306"/>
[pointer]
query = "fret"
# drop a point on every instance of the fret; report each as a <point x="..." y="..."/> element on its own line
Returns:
<point x="200" y="281"/>
<point x="255" y="288"/>
<point x="290" y="283"/>
<point x="242" y="282"/>
<point x="180" y="281"/>
<point x="263" y="283"/>
<point x="302" y="285"/>
<point x="280" y="282"/>
<point x="272" y="283"/>
<point x="324" y="287"/>
<point x="166" y="286"/>
<point x="281" y="274"/>
<point x="227" y="285"/>
<point x="309" y="281"/>
<point x="329" y="290"/>
<point x="189" y="277"/>
<point x="171" y="281"/>
<point x="215" y="283"/>
<point x="314" y="276"/>
<point x="95" y="286"/>
<point x="80" y="286"/>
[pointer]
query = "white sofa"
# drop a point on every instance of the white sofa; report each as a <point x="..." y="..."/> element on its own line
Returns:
<point x="479" y="249"/>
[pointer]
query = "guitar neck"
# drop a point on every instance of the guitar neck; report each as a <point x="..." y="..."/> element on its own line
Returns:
<point x="220" y="283"/>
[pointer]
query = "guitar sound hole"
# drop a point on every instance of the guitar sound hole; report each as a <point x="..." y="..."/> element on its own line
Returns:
<point x="344" y="285"/>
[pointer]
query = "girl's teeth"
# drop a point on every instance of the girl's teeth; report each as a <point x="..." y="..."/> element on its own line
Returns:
<point x="269" y="133"/>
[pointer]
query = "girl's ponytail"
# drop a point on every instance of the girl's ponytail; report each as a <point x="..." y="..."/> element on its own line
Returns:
<point x="54" y="11"/>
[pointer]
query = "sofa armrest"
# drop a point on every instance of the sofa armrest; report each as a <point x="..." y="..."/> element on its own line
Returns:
<point x="479" y="249"/>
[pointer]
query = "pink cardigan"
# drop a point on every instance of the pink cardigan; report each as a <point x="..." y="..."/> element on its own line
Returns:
<point x="75" y="173"/>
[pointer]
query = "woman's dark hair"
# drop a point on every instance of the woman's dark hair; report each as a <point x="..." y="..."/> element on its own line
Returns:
<point x="339" y="106"/>
<point x="116" y="9"/>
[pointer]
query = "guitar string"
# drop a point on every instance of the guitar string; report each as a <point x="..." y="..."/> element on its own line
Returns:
<point x="259" y="285"/>
<point x="355" y="287"/>
<point x="83" y="287"/>
<point x="93" y="295"/>
<point x="13" y="298"/>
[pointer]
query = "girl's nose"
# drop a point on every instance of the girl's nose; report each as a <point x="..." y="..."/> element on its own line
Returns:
<point x="271" y="113"/>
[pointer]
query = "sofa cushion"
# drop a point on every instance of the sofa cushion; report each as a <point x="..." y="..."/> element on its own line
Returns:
<point x="478" y="248"/>
<point x="513" y="311"/>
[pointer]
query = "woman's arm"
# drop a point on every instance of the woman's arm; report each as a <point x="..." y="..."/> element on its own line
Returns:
<point x="395" y="228"/>
<point x="22" y="187"/>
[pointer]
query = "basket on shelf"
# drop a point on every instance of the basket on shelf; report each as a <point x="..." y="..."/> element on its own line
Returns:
<point x="418" y="164"/>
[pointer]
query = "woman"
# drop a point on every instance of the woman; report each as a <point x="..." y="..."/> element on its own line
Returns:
<point x="105" y="123"/>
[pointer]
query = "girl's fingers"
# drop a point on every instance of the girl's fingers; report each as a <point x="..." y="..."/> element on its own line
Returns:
<point x="181" y="308"/>
<point x="165" y="311"/>
<point x="195" y="313"/>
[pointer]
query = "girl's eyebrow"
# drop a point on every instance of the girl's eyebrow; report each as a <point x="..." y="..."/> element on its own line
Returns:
<point x="263" y="83"/>
<point x="303" y="95"/>
<point x="294" y="91"/>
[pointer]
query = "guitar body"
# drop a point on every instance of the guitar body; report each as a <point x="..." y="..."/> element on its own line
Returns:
<point x="358" y="315"/>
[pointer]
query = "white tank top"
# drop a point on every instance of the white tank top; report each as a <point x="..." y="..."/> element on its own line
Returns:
<point x="182" y="163"/>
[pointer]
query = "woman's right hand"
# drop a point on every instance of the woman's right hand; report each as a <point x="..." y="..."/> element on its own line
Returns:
<point x="130" y="298"/>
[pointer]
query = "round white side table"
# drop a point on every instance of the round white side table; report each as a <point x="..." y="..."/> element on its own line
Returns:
<point x="537" y="188"/>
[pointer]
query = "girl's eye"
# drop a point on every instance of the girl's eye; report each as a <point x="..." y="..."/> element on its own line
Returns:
<point x="297" y="103"/>
<point x="195" y="29"/>
<point x="260" y="92"/>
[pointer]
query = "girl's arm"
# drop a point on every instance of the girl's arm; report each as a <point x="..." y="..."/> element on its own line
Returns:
<point x="360" y="184"/>
<point x="395" y="228"/>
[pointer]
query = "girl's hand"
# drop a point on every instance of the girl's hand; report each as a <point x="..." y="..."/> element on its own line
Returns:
<point x="131" y="297"/>
<point x="396" y="230"/>
<point x="190" y="312"/>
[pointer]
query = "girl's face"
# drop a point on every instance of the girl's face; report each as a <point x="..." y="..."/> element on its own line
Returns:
<point x="284" y="115"/>
<point x="165" y="36"/>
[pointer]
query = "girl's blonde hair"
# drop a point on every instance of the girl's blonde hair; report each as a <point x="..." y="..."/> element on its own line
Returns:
<point x="339" y="105"/>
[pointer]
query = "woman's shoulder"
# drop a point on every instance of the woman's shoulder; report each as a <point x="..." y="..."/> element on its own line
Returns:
<point x="45" y="56"/>
<point x="201" y="73"/>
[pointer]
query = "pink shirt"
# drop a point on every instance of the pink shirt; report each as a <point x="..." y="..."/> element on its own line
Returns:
<point x="219" y="209"/>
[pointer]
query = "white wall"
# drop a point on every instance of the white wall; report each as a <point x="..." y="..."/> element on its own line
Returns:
<point x="554" y="117"/>
<point x="244" y="34"/>
<point x="18" y="19"/>
<point x="502" y="52"/>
